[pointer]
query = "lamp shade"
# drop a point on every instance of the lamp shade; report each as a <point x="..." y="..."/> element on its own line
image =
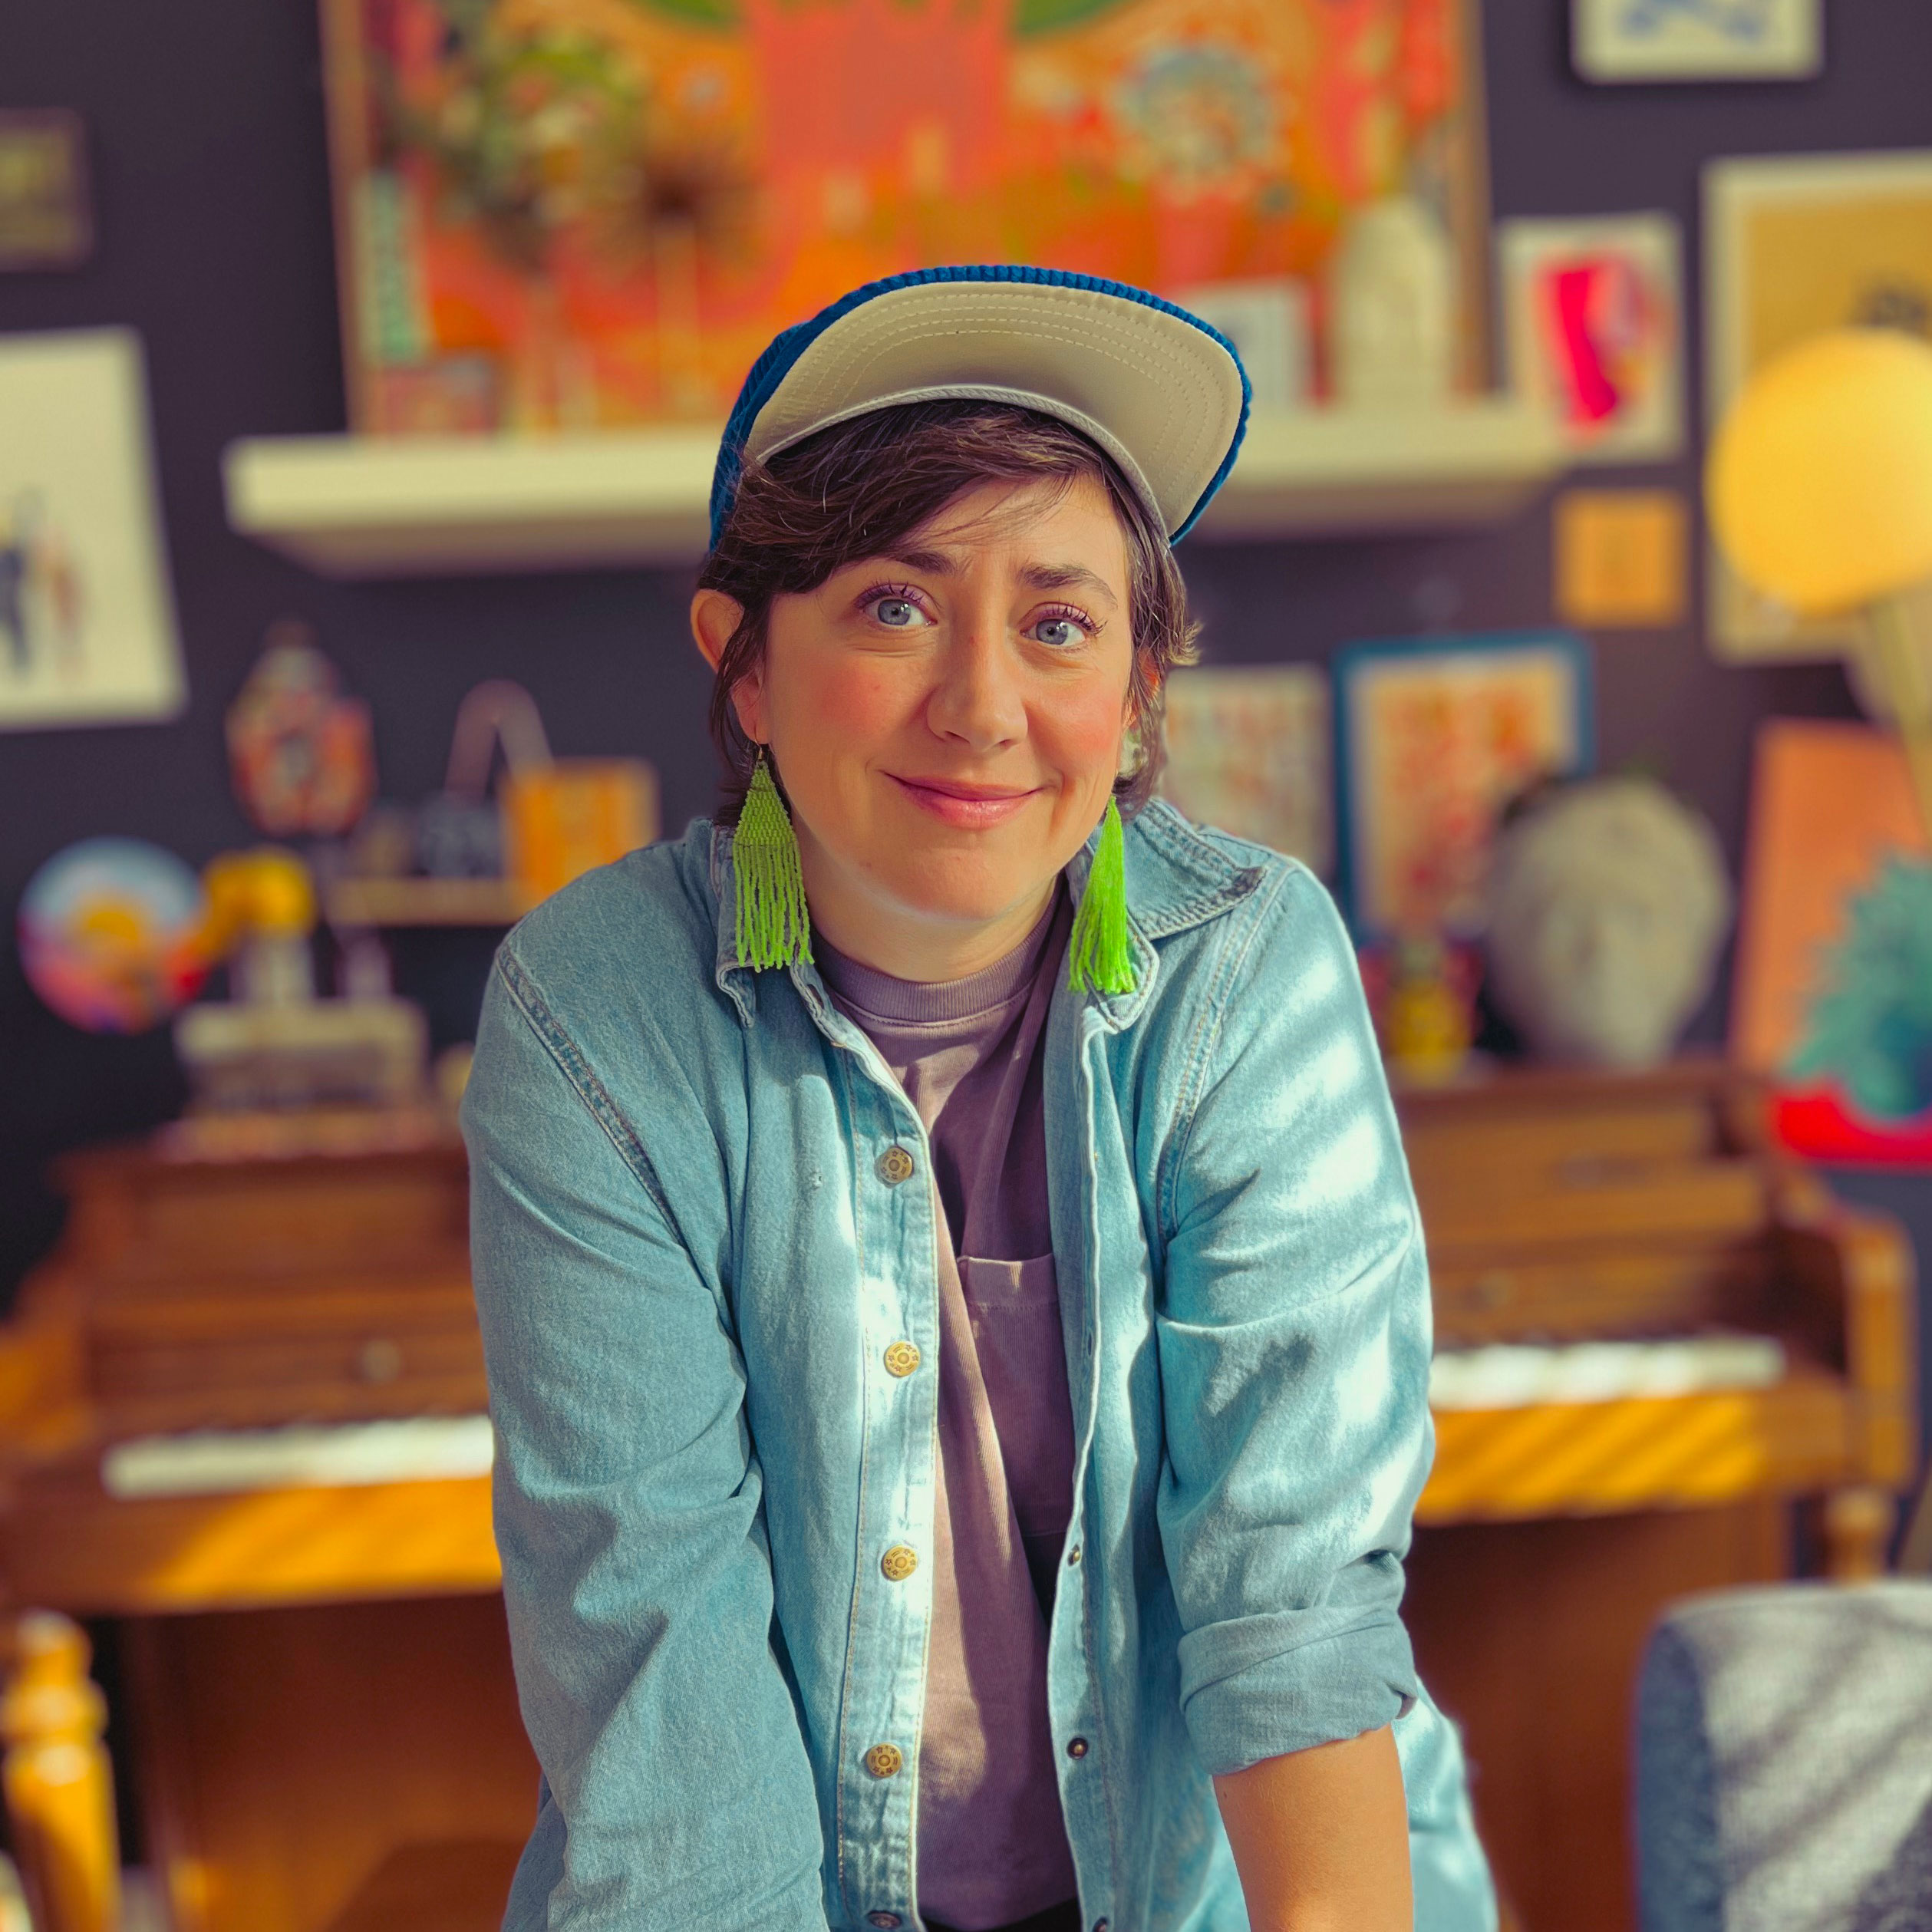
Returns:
<point x="1819" y="480"/>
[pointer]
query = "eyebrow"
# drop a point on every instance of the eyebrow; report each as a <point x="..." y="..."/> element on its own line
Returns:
<point x="1035" y="576"/>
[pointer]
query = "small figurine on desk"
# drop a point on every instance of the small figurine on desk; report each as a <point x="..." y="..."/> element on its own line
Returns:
<point x="1608" y="902"/>
<point x="1421" y="990"/>
<point x="274" y="1045"/>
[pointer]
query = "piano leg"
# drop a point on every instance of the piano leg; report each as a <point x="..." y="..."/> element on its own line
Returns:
<point x="53" y="1769"/>
<point x="1858" y="1525"/>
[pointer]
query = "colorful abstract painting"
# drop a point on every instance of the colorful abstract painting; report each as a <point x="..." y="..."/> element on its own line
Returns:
<point x="1593" y="315"/>
<point x="1432" y="739"/>
<point x="569" y="213"/>
<point x="1248" y="751"/>
<point x="1833" y="994"/>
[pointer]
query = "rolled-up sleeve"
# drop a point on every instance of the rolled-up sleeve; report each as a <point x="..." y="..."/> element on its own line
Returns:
<point x="628" y="1517"/>
<point x="1294" y="1336"/>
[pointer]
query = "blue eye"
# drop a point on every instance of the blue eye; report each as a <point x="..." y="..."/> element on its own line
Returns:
<point x="1059" y="631"/>
<point x="899" y="613"/>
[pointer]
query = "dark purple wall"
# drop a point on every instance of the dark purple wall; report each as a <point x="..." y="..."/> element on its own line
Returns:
<point x="205" y="120"/>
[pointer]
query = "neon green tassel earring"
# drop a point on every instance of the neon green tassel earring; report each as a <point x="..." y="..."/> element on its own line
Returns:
<point x="1101" y="955"/>
<point x="774" y="928"/>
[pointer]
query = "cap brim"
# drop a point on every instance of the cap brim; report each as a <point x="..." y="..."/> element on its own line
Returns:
<point x="1161" y="392"/>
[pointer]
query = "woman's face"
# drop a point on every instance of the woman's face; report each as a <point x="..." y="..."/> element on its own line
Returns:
<point x="948" y="720"/>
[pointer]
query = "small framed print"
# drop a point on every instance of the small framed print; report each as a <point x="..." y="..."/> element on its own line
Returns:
<point x="1248" y="752"/>
<point x="1433" y="739"/>
<point x="1697" y="39"/>
<point x="46" y="218"/>
<point x="87" y="630"/>
<point x="1592" y="312"/>
<point x="1620" y="559"/>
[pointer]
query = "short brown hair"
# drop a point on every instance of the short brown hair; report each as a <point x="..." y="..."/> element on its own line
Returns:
<point x="856" y="489"/>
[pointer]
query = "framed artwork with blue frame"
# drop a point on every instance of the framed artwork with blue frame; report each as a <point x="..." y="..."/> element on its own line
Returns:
<point x="1433" y="737"/>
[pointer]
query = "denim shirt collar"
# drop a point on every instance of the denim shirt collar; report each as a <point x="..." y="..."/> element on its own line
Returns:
<point x="1176" y="879"/>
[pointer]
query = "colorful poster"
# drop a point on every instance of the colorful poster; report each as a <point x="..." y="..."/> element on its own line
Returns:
<point x="1833" y="993"/>
<point x="580" y="212"/>
<point x="1432" y="740"/>
<point x="1248" y="751"/>
<point x="1795" y="244"/>
<point x="87" y="630"/>
<point x="1592" y="313"/>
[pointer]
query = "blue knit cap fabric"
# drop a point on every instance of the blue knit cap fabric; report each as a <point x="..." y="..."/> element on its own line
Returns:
<point x="782" y="355"/>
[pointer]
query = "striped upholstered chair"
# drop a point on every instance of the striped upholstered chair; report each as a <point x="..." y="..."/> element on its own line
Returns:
<point x="1784" y="1761"/>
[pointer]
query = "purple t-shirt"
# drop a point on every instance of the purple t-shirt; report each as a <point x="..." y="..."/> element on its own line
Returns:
<point x="992" y="1842"/>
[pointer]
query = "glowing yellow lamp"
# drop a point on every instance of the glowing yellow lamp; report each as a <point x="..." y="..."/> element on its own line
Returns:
<point x="1819" y="490"/>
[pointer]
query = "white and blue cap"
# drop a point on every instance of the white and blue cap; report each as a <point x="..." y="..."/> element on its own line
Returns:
<point x="1164" y="394"/>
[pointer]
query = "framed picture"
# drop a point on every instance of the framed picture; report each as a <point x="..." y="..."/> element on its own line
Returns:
<point x="1829" y="993"/>
<point x="1593" y="319"/>
<point x="88" y="633"/>
<point x="584" y="214"/>
<point x="1432" y="740"/>
<point x="1794" y="245"/>
<point x="46" y="212"/>
<point x="1249" y="751"/>
<point x="1697" y="39"/>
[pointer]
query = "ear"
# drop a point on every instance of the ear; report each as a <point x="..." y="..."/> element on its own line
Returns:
<point x="714" y="617"/>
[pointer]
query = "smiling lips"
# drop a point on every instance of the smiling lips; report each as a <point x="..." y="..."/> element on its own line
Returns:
<point x="973" y="808"/>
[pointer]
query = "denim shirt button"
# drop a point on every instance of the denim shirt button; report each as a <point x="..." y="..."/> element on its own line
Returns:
<point x="898" y="1563"/>
<point x="885" y="1760"/>
<point x="885" y="1921"/>
<point x="895" y="1165"/>
<point x="901" y="1359"/>
<point x="1076" y="1747"/>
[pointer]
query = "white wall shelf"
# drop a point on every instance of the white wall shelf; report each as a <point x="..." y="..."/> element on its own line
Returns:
<point x="365" y="506"/>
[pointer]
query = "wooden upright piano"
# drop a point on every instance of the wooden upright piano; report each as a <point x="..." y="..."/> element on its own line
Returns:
<point x="320" y="1722"/>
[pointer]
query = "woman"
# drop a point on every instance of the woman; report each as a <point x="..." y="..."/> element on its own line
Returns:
<point x="957" y="1321"/>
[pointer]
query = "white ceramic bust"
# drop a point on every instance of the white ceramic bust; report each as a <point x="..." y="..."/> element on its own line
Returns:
<point x="1607" y="904"/>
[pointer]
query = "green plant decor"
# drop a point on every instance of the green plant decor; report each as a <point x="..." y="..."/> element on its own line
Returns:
<point x="1869" y="1029"/>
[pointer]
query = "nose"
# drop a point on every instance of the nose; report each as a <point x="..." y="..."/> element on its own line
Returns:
<point x="977" y="701"/>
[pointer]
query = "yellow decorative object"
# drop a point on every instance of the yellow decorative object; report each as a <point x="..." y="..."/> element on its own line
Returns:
<point x="1426" y="1024"/>
<point x="560" y="819"/>
<point x="58" y="1787"/>
<point x="1620" y="558"/>
<point x="1819" y="488"/>
<point x="266" y="890"/>
<point x="1819" y="480"/>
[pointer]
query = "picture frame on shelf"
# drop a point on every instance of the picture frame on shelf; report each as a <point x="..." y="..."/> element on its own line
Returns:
<point x="1593" y="328"/>
<point x="88" y="634"/>
<point x="1249" y="751"/>
<point x="1434" y="738"/>
<point x="1626" y="40"/>
<point x="1795" y="244"/>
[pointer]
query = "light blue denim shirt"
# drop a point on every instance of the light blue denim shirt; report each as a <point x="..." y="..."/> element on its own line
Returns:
<point x="699" y="1275"/>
